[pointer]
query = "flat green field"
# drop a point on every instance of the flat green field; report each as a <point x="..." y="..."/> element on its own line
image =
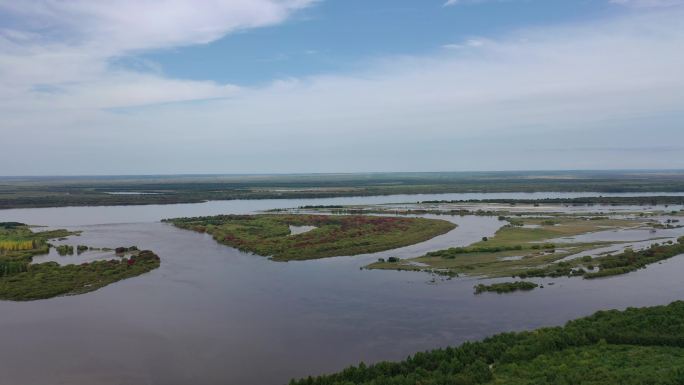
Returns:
<point x="328" y="235"/>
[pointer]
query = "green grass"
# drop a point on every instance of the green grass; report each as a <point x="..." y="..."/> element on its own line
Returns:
<point x="562" y="227"/>
<point x="514" y="249"/>
<point x="21" y="280"/>
<point x="334" y="235"/>
<point x="632" y="347"/>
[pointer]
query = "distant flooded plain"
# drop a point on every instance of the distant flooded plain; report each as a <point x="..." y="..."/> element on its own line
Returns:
<point x="213" y="315"/>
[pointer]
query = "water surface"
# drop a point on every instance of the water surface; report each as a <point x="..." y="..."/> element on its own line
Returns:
<point x="213" y="315"/>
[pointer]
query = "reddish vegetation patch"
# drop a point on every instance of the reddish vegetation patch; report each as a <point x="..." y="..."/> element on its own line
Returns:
<point x="334" y="235"/>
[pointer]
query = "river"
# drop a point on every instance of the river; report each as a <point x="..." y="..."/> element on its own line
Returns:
<point x="213" y="315"/>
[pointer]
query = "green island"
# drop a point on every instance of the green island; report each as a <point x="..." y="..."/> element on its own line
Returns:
<point x="506" y="287"/>
<point x="631" y="347"/>
<point x="327" y="236"/>
<point x="526" y="248"/>
<point x="21" y="280"/>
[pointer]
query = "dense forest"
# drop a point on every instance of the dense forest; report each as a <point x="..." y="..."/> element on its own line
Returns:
<point x="631" y="347"/>
<point x="329" y="235"/>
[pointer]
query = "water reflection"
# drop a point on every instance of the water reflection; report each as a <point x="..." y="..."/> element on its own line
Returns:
<point x="296" y="230"/>
<point x="74" y="259"/>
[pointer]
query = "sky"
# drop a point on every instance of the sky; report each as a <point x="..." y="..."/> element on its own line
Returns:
<point x="297" y="86"/>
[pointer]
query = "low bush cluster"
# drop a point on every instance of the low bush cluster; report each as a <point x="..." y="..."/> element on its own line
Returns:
<point x="505" y="287"/>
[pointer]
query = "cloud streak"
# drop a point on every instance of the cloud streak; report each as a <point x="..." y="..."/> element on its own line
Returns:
<point x="70" y="45"/>
<point x="122" y="25"/>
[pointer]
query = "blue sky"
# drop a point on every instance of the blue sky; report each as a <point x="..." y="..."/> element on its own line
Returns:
<point x="334" y="36"/>
<point x="264" y="86"/>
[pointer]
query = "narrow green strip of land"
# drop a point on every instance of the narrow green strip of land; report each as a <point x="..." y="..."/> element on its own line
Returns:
<point x="328" y="235"/>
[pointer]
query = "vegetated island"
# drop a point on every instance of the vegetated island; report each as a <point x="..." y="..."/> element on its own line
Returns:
<point x="21" y="280"/>
<point x="524" y="248"/>
<point x="328" y="236"/>
<point x="631" y="347"/>
<point x="505" y="287"/>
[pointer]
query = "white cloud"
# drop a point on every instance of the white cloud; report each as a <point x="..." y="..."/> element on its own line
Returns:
<point x="119" y="25"/>
<point x="470" y="43"/>
<point x="68" y="45"/>
<point x="615" y="81"/>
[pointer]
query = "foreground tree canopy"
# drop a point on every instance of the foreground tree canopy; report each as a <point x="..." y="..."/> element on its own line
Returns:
<point x="21" y="280"/>
<point x="328" y="235"/>
<point x="633" y="347"/>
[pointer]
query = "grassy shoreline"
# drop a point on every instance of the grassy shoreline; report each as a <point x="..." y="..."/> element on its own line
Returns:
<point x="333" y="235"/>
<point x="524" y="244"/>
